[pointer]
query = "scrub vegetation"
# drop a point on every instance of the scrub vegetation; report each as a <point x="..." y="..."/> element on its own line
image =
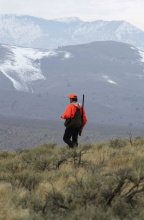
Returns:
<point x="96" y="181"/>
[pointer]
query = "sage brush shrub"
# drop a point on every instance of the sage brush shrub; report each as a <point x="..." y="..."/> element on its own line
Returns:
<point x="77" y="155"/>
<point x="28" y="180"/>
<point x="55" y="202"/>
<point x="113" y="154"/>
<point x="117" y="143"/>
<point x="34" y="154"/>
<point x="60" y="157"/>
<point x="51" y="160"/>
<point x="13" y="166"/>
<point x="30" y="200"/>
<point x="93" y="213"/>
<point x="29" y="157"/>
<point x="100" y="146"/>
<point x="44" y="149"/>
<point x="138" y="141"/>
<point x="8" y="179"/>
<point x="84" y="191"/>
<point x="113" y="184"/>
<point x="138" y="165"/>
<point x="91" y="182"/>
<point x="6" y="154"/>
<point x="21" y="151"/>
<point x="96" y="168"/>
<point x="121" y="209"/>
<point x="42" y="163"/>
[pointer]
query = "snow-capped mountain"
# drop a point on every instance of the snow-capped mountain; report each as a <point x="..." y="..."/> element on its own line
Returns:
<point x="35" y="32"/>
<point x="36" y="83"/>
<point x="22" y="65"/>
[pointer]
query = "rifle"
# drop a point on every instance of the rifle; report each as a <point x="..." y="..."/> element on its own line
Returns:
<point x="82" y="116"/>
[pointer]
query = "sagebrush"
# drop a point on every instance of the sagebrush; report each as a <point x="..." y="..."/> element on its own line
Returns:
<point x="102" y="181"/>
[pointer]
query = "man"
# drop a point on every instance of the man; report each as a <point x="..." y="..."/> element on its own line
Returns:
<point x="74" y="121"/>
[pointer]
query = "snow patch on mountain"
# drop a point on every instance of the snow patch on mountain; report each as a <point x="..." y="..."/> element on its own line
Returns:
<point x="125" y="29"/>
<point x="142" y="55"/>
<point x="28" y="31"/>
<point x="67" y="55"/>
<point x="68" y="20"/>
<point x="109" y="80"/>
<point x="133" y="48"/>
<point x="23" y="31"/>
<point x="22" y="66"/>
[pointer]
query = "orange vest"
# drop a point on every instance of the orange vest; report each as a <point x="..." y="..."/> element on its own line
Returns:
<point x="70" y="113"/>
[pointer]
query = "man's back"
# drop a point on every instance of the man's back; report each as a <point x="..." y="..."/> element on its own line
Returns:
<point x="71" y="111"/>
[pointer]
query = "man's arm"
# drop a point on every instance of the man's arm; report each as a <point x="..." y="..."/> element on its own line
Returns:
<point x="67" y="113"/>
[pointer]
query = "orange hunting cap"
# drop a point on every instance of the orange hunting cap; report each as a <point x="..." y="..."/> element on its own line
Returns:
<point x="72" y="96"/>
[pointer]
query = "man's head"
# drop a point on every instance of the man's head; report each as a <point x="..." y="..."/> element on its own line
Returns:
<point x="73" y="98"/>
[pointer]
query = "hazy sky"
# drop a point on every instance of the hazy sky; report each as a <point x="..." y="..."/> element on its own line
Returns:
<point x="87" y="10"/>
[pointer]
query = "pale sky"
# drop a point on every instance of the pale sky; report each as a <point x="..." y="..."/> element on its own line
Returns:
<point x="131" y="11"/>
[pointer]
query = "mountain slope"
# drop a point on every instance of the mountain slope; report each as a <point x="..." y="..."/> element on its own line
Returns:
<point x="40" y="33"/>
<point x="110" y="74"/>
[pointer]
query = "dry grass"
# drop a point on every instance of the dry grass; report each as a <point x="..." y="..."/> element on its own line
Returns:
<point x="94" y="181"/>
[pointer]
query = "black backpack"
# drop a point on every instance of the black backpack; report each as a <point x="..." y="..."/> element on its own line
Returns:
<point x="75" y="122"/>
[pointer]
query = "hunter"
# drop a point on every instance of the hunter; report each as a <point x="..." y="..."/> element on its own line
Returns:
<point x="75" y="121"/>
